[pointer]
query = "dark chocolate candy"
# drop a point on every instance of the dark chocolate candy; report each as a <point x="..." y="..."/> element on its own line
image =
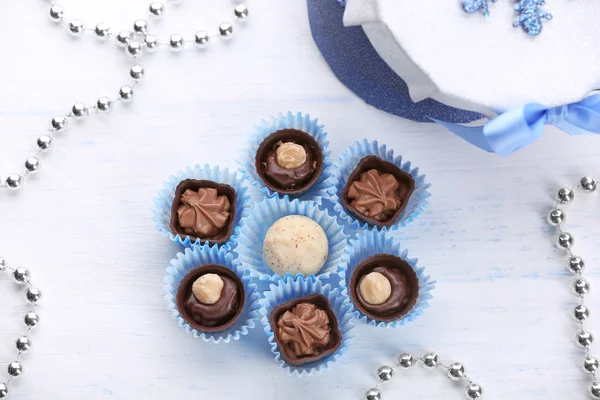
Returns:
<point x="404" y="282"/>
<point x="287" y="348"/>
<point x="211" y="317"/>
<point x="200" y="214"/>
<point x="289" y="181"/>
<point x="367" y="190"/>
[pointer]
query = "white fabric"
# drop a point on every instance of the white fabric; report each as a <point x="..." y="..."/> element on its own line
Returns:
<point x="485" y="63"/>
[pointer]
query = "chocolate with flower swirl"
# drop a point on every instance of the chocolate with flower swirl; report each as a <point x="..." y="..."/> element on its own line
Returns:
<point x="305" y="329"/>
<point x="203" y="209"/>
<point x="377" y="191"/>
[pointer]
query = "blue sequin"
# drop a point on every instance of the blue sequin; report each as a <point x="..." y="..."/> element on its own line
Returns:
<point x="531" y="16"/>
<point x="472" y="6"/>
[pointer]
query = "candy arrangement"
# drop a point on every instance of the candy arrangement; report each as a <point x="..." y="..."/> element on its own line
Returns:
<point x="308" y="258"/>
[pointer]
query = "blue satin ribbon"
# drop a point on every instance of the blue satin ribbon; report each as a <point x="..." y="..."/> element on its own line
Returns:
<point x="520" y="127"/>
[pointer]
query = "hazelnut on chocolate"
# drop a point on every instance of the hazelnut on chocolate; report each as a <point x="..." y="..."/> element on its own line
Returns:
<point x="208" y="288"/>
<point x="375" y="288"/>
<point x="290" y="155"/>
<point x="289" y="161"/>
<point x="211" y="298"/>
<point x="384" y="287"/>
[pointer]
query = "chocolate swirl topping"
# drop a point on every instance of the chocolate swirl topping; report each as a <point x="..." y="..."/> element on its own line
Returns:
<point x="375" y="195"/>
<point x="203" y="213"/>
<point x="305" y="329"/>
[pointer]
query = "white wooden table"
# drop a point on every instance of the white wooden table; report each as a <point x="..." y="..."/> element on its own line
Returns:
<point x="83" y="225"/>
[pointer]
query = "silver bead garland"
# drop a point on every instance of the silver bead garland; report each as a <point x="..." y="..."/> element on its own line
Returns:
<point x="580" y="287"/>
<point x="455" y="372"/>
<point x="33" y="295"/>
<point x="135" y="42"/>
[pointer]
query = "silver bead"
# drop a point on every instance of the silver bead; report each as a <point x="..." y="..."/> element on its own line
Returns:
<point x="104" y="104"/>
<point x="176" y="42"/>
<point x="14" y="181"/>
<point x="201" y="38"/>
<point x="76" y="27"/>
<point x="32" y="165"/>
<point x="102" y="31"/>
<point x="157" y="9"/>
<point x="15" y="369"/>
<point x="151" y="43"/>
<point x="590" y="365"/>
<point x="136" y="72"/>
<point x="456" y="371"/>
<point x="584" y="339"/>
<point x="556" y="217"/>
<point x="33" y="295"/>
<point x="3" y="390"/>
<point x="581" y="313"/>
<point x="576" y="265"/>
<point x="140" y="26"/>
<point x="565" y="241"/>
<point x="406" y="360"/>
<point x="241" y="11"/>
<point x="23" y="344"/>
<point x="373" y="394"/>
<point x="594" y="390"/>
<point x="385" y="373"/>
<point x="56" y="13"/>
<point x="565" y="196"/>
<point x="123" y="38"/>
<point x="474" y="392"/>
<point x="21" y="276"/>
<point x="31" y="319"/>
<point x="59" y="123"/>
<point x="134" y="49"/>
<point x="79" y="111"/>
<point x="2" y="264"/>
<point x="126" y="93"/>
<point x="226" y="30"/>
<point x="44" y="143"/>
<point x="581" y="287"/>
<point x="587" y="184"/>
<point x="430" y="360"/>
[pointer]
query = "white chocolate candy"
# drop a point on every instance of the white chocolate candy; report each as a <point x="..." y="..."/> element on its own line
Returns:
<point x="375" y="288"/>
<point x="296" y="244"/>
<point x="290" y="155"/>
<point x="207" y="289"/>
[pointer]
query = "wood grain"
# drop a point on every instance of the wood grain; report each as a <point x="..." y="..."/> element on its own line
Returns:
<point x="83" y="225"/>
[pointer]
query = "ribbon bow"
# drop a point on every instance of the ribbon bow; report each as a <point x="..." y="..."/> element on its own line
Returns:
<point x="520" y="127"/>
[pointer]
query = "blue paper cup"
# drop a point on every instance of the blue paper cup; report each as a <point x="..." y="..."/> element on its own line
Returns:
<point x="161" y="211"/>
<point x="348" y="162"/>
<point x="203" y="255"/>
<point x="297" y="121"/>
<point x="371" y="243"/>
<point x="292" y="288"/>
<point x="254" y="228"/>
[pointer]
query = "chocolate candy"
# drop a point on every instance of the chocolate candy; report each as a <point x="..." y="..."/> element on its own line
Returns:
<point x="295" y="244"/>
<point x="203" y="210"/>
<point x="404" y="287"/>
<point x="377" y="191"/>
<point x="219" y="315"/>
<point x="306" y="329"/>
<point x="280" y="165"/>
